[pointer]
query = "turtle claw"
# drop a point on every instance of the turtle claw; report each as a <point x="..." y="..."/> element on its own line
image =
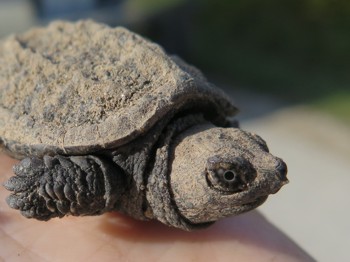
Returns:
<point x="35" y="208"/>
<point x="15" y="184"/>
<point x="29" y="167"/>
<point x="27" y="173"/>
<point x="14" y="202"/>
<point x="26" y="187"/>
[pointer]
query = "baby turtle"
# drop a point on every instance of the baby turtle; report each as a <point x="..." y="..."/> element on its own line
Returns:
<point x="105" y="120"/>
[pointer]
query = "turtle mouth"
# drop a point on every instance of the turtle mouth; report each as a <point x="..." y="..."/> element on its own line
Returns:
<point x="255" y="203"/>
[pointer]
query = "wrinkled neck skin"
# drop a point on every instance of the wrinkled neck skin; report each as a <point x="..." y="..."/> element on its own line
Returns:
<point x="159" y="194"/>
<point x="136" y="160"/>
<point x="145" y="164"/>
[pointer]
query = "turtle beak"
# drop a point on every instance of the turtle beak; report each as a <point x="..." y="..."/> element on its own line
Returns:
<point x="281" y="174"/>
<point x="282" y="171"/>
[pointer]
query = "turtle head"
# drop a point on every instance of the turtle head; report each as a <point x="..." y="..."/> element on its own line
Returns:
<point x="220" y="172"/>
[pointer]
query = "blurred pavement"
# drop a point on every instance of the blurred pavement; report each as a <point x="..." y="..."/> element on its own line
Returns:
<point x="314" y="208"/>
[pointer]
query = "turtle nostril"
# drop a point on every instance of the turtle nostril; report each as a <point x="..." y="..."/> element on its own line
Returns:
<point x="282" y="170"/>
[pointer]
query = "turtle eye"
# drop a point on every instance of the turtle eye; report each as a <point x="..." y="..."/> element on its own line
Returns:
<point x="230" y="177"/>
<point x="226" y="180"/>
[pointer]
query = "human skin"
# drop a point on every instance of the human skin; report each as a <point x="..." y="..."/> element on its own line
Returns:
<point x="113" y="237"/>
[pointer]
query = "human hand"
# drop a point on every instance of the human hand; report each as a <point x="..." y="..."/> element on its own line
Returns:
<point x="113" y="237"/>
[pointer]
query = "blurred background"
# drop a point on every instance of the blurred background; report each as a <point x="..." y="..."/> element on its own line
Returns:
<point x="285" y="63"/>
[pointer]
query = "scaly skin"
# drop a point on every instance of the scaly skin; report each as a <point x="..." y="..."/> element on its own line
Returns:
<point x="58" y="186"/>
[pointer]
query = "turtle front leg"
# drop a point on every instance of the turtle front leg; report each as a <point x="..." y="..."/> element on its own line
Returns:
<point x="58" y="186"/>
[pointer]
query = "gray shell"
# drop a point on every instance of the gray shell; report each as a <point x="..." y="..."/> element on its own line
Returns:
<point x="79" y="87"/>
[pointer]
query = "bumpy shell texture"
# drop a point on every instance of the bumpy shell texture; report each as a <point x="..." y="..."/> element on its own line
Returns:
<point x="78" y="87"/>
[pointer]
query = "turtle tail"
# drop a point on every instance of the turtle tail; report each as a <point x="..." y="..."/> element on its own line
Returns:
<point x="58" y="186"/>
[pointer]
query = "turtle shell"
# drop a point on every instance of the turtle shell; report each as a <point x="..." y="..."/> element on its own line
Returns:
<point x="73" y="88"/>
